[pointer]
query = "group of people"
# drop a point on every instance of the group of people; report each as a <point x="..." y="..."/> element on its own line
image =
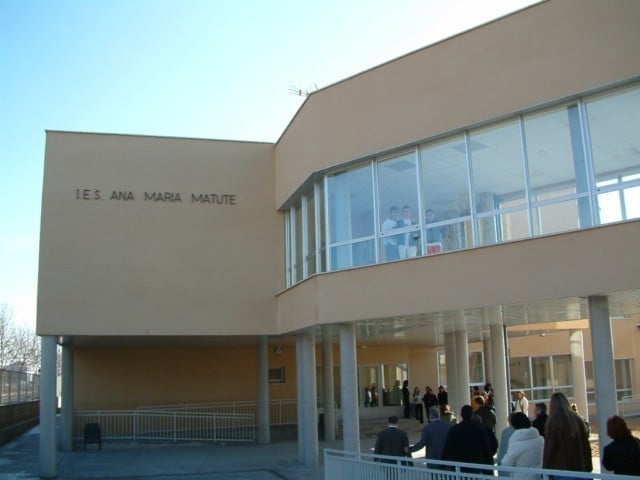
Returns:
<point x="558" y="440"/>
<point x="405" y="245"/>
<point x="415" y="403"/>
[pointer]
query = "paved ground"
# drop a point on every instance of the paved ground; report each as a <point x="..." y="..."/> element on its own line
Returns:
<point x="195" y="461"/>
<point x="160" y="461"/>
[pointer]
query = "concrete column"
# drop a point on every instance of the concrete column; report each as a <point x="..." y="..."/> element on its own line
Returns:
<point x="487" y="356"/>
<point x="603" y="366"/>
<point x="328" y="389"/>
<point x="349" y="389"/>
<point x="262" y="368"/>
<point x="48" y="454"/>
<point x="310" y="446"/>
<point x="452" y="371"/>
<point x="576" y="347"/>
<point x="462" y="364"/>
<point x="66" y="412"/>
<point x="501" y="397"/>
<point x="299" y="395"/>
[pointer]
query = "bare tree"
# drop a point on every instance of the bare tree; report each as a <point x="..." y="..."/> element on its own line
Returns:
<point x="6" y="335"/>
<point x="19" y="346"/>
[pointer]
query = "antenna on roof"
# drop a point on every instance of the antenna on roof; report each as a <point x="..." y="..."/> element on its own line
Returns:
<point x="293" y="90"/>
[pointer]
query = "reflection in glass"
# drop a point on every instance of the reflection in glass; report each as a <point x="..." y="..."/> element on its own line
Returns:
<point x="519" y="373"/>
<point x="541" y="371"/>
<point x="368" y="386"/>
<point x="353" y="255"/>
<point x="562" y="374"/>
<point x="555" y="155"/>
<point x="350" y="204"/>
<point x="392" y="378"/>
<point x="476" y="368"/>
<point x="555" y="217"/>
<point x="614" y="123"/>
<point x="503" y="227"/>
<point x="496" y="160"/>
<point x="445" y="192"/>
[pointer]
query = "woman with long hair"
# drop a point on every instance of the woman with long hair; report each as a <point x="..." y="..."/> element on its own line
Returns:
<point x="566" y="441"/>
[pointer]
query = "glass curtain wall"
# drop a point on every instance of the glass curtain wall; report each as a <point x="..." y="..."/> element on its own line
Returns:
<point x="570" y="166"/>
<point x="540" y="377"/>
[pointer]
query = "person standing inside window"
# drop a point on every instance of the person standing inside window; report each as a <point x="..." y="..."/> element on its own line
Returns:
<point x="391" y="241"/>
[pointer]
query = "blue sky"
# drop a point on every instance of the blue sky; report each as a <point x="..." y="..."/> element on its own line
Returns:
<point x="210" y="69"/>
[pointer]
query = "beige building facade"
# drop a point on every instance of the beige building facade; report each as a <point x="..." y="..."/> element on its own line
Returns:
<point x="467" y="213"/>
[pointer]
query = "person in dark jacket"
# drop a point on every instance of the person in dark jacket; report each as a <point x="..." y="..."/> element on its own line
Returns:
<point x="466" y="442"/>
<point x="622" y="456"/>
<point x="392" y="441"/>
<point x="485" y="413"/>
<point x="429" y="398"/>
<point x="443" y="396"/>
<point x="406" y="399"/>
<point x="433" y="437"/>
<point x="541" y="418"/>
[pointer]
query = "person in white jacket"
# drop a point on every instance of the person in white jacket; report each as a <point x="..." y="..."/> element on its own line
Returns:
<point x="525" y="447"/>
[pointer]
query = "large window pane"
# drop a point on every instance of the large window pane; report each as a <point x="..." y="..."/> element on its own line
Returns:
<point x="614" y="123"/>
<point x="555" y="217"/>
<point x="496" y="161"/>
<point x="503" y="227"/>
<point x="392" y="377"/>
<point x="556" y="160"/>
<point x="623" y="378"/>
<point x="350" y="204"/>
<point x="445" y="190"/>
<point x="519" y="374"/>
<point x="554" y="152"/>
<point x="562" y="374"/>
<point x="353" y="255"/>
<point x="398" y="197"/>
<point x="368" y="383"/>
<point x="476" y="368"/>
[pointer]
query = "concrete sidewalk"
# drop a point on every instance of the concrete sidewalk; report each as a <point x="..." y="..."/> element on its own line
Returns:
<point x="166" y="460"/>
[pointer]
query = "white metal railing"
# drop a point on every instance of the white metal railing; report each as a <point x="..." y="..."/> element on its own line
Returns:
<point x="281" y="412"/>
<point x="168" y="425"/>
<point x="340" y="465"/>
<point x="18" y="387"/>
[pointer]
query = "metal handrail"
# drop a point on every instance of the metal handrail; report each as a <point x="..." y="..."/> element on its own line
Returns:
<point x="281" y="411"/>
<point x="339" y="464"/>
<point x="166" y="425"/>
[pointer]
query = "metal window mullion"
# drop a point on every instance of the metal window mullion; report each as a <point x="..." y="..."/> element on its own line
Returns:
<point x="294" y="246"/>
<point x="531" y="386"/>
<point x="591" y="169"/>
<point x="623" y="205"/>
<point x="421" y="224"/>
<point x="287" y="241"/>
<point x="317" y="220"/>
<point x="376" y="210"/>
<point x="327" y="233"/>
<point x="527" y="178"/>
<point x="472" y="195"/>
<point x="304" y="204"/>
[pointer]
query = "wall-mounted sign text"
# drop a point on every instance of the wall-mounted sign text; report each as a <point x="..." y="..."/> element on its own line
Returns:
<point x="159" y="197"/>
